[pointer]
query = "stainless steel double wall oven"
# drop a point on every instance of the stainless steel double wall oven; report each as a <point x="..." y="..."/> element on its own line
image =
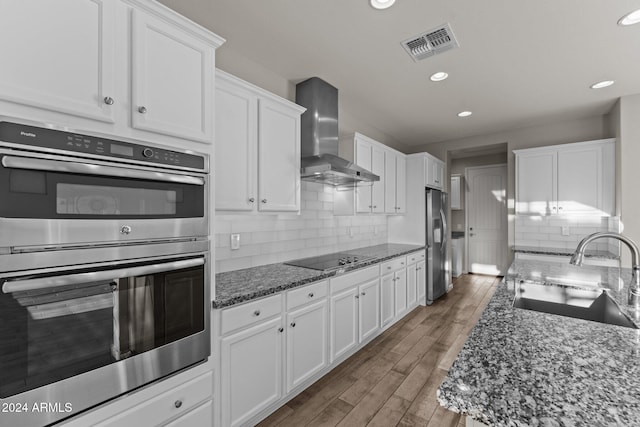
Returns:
<point x="104" y="269"/>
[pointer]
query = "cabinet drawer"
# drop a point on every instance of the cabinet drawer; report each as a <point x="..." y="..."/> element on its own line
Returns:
<point x="394" y="264"/>
<point x="415" y="257"/>
<point x="305" y="294"/>
<point x="252" y="312"/>
<point x="340" y="283"/>
<point x="165" y="406"/>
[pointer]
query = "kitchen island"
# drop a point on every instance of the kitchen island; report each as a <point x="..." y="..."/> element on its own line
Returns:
<point x="527" y="368"/>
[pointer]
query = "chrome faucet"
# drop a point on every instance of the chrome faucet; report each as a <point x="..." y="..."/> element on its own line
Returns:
<point x="633" y="299"/>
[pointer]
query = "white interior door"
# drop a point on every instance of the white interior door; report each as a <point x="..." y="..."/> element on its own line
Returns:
<point x="487" y="219"/>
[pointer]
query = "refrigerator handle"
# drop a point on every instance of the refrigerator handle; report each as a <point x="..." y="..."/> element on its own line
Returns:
<point x="445" y="229"/>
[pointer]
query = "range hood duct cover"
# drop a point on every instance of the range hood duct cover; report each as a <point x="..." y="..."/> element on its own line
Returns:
<point x="319" y="137"/>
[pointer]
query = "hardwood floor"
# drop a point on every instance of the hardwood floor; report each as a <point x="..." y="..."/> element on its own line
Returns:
<point x="393" y="380"/>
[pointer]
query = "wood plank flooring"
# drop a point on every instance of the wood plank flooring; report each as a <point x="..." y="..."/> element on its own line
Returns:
<point x="393" y="380"/>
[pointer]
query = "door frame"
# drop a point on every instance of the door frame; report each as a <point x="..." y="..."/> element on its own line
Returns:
<point x="465" y="266"/>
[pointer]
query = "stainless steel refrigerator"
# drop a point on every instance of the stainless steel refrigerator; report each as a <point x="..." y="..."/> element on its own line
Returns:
<point x="437" y="244"/>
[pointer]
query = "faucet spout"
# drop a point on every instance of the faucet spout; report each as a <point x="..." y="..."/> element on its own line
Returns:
<point x="633" y="299"/>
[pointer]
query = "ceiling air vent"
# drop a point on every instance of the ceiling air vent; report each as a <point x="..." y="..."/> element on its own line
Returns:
<point x="431" y="42"/>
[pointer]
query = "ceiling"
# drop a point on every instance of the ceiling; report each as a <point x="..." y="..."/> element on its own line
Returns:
<point x="519" y="63"/>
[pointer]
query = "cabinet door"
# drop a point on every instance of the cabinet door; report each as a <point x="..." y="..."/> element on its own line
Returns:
<point x="278" y="157"/>
<point x="364" y="159"/>
<point x="438" y="178"/>
<point x="201" y="416"/>
<point x="344" y="322"/>
<point x="455" y="192"/>
<point x="59" y="56"/>
<point x="400" y="292"/>
<point x="236" y="146"/>
<point x="172" y="80"/>
<point x="368" y="309"/>
<point x="421" y="280"/>
<point x="390" y="182"/>
<point x="580" y="180"/>
<point x="377" y="188"/>
<point x="387" y="293"/>
<point x="401" y="184"/>
<point x="307" y="341"/>
<point x="536" y="183"/>
<point x="412" y="286"/>
<point x="251" y="377"/>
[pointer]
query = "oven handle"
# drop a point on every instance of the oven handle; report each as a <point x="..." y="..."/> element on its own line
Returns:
<point x="74" y="279"/>
<point x="93" y="169"/>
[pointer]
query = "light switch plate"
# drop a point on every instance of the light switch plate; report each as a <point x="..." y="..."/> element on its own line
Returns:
<point x="565" y="230"/>
<point x="235" y="241"/>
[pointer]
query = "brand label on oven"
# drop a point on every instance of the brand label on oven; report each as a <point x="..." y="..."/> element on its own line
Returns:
<point x="29" y="134"/>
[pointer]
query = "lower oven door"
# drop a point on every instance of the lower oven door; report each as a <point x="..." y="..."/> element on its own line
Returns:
<point x="74" y="339"/>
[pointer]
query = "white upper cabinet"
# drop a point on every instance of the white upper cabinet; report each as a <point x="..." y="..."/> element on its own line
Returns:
<point x="257" y="158"/>
<point x="389" y="194"/>
<point x="130" y="68"/>
<point x="370" y="155"/>
<point x="455" y="192"/>
<point x="172" y="79"/>
<point x="59" y="56"/>
<point x="566" y="179"/>
<point x="434" y="172"/>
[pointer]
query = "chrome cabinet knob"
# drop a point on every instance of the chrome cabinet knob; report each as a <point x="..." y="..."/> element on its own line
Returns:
<point x="357" y="296"/>
<point x="293" y="324"/>
<point x="251" y="200"/>
<point x="125" y="229"/>
<point x="108" y="100"/>
<point x="142" y="109"/>
<point x="310" y="294"/>
<point x="389" y="268"/>
<point x="178" y="403"/>
<point x="264" y="200"/>
<point x="364" y="293"/>
<point x="374" y="206"/>
<point x="281" y="329"/>
<point x="256" y="313"/>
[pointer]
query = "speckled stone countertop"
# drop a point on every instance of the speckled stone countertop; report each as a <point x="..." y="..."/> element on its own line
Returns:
<point x="589" y="253"/>
<point x="526" y="368"/>
<point x="234" y="287"/>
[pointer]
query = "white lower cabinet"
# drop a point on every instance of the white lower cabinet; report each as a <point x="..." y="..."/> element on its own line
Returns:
<point x="251" y="373"/>
<point x="200" y="416"/>
<point x="307" y="341"/>
<point x="272" y="348"/>
<point x="412" y="286"/>
<point x="421" y="279"/>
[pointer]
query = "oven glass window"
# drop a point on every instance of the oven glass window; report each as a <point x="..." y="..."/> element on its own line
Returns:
<point x="50" y="334"/>
<point x="58" y="195"/>
<point x="99" y="200"/>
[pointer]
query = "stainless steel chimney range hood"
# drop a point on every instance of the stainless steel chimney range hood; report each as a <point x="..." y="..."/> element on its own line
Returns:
<point x="319" y="138"/>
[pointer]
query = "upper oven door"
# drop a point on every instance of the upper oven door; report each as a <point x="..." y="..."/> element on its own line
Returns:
<point x="50" y="200"/>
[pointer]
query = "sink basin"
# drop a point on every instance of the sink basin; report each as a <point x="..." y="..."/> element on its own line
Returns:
<point x="588" y="304"/>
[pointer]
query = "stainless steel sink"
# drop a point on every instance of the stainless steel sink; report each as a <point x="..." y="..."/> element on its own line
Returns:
<point x="588" y="304"/>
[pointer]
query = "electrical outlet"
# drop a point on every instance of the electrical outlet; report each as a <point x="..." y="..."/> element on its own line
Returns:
<point x="565" y="230"/>
<point x="235" y="241"/>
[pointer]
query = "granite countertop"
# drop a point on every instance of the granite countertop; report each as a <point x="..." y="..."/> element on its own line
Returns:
<point x="526" y="368"/>
<point x="234" y="287"/>
<point x="589" y="253"/>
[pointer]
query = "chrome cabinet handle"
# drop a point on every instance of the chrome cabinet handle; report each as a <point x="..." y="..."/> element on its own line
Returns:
<point x="374" y="206"/>
<point x="251" y="200"/>
<point x="357" y="296"/>
<point x="256" y="313"/>
<point x="281" y="329"/>
<point x="108" y="100"/>
<point x="310" y="294"/>
<point x="178" y="403"/>
<point x="264" y="200"/>
<point x="293" y="324"/>
<point x="142" y="109"/>
<point x="363" y="293"/>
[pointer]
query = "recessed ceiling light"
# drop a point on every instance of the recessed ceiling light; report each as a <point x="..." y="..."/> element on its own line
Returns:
<point x="464" y="113"/>
<point x="630" y="18"/>
<point x="439" y="76"/>
<point x="601" y="84"/>
<point x="381" y="4"/>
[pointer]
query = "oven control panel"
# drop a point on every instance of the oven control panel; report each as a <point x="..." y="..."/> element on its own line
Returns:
<point x="84" y="144"/>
